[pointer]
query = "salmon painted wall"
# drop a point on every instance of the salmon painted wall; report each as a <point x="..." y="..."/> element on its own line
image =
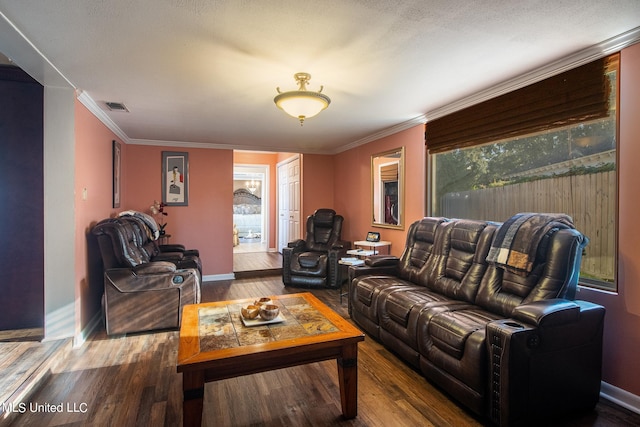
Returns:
<point x="352" y="186"/>
<point x="93" y="173"/>
<point x="317" y="186"/>
<point x="271" y="160"/>
<point x="207" y="223"/>
<point x="621" y="365"/>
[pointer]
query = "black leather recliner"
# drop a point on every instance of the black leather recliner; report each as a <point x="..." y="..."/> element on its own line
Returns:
<point x="313" y="262"/>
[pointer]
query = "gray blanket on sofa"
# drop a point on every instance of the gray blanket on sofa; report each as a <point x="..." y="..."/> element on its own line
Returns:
<point x="516" y="242"/>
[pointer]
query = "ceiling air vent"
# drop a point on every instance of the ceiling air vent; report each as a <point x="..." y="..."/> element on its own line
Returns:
<point x="116" y="106"/>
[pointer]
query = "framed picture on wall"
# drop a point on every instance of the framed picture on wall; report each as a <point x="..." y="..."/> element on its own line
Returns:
<point x="117" y="174"/>
<point x="175" y="178"/>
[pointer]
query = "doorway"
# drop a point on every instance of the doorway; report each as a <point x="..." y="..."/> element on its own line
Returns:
<point x="250" y="208"/>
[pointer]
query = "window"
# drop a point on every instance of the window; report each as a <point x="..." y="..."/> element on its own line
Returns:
<point x="569" y="169"/>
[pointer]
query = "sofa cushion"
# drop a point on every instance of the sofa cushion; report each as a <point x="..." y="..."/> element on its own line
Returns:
<point x="551" y="277"/>
<point x="420" y="239"/>
<point x="309" y="264"/>
<point x="367" y="287"/>
<point x="464" y="250"/>
<point x="366" y="292"/>
<point x="309" y="259"/>
<point x="324" y="218"/>
<point x="449" y="330"/>
<point x="397" y="306"/>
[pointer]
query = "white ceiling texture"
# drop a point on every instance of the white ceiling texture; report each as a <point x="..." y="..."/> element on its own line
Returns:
<point x="204" y="73"/>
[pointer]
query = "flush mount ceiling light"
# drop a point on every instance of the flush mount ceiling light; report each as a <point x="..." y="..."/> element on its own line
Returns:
<point x="302" y="103"/>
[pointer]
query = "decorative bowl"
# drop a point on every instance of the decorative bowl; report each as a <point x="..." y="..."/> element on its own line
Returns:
<point x="269" y="311"/>
<point x="263" y="301"/>
<point x="250" y="312"/>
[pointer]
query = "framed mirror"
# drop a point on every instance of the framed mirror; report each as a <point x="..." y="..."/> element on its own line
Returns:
<point x="387" y="189"/>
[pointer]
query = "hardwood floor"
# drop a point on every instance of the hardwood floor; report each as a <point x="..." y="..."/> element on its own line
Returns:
<point x="132" y="381"/>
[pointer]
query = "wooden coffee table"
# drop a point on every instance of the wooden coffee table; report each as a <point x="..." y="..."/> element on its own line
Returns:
<point x="215" y="344"/>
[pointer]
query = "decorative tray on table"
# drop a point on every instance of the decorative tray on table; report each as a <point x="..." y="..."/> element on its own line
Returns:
<point x="259" y="321"/>
<point x="262" y="312"/>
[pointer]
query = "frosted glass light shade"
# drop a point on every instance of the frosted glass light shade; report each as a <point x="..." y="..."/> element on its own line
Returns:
<point x="302" y="104"/>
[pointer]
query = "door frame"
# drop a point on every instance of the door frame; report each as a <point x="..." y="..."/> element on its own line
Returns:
<point x="262" y="169"/>
<point x="279" y="195"/>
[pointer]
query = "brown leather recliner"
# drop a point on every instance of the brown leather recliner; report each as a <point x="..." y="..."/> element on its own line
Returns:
<point x="175" y="253"/>
<point x="313" y="262"/>
<point x="141" y="293"/>
<point x="127" y="245"/>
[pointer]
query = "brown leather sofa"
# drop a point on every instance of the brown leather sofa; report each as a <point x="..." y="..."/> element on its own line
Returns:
<point x="512" y="346"/>
<point x="144" y="288"/>
<point x="312" y="262"/>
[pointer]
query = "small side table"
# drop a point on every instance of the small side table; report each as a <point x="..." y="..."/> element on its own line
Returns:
<point x="374" y="247"/>
<point x="343" y="276"/>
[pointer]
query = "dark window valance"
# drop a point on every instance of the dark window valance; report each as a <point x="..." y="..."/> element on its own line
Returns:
<point x="573" y="96"/>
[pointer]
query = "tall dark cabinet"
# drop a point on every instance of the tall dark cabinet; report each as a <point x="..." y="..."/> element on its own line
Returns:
<point x="21" y="205"/>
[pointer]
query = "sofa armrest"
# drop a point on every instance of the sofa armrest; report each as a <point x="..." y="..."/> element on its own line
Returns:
<point x="154" y="268"/>
<point x="128" y="280"/>
<point x="168" y="256"/>
<point x="296" y="244"/>
<point x="382" y="261"/>
<point x="549" y="350"/>
<point x="175" y="247"/>
<point x="337" y="252"/>
<point x="548" y="312"/>
<point x="365" y="270"/>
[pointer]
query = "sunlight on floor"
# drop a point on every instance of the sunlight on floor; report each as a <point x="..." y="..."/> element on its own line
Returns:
<point x="250" y="246"/>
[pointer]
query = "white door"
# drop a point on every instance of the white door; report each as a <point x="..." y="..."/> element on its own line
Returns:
<point x="289" y="205"/>
<point x="283" y="207"/>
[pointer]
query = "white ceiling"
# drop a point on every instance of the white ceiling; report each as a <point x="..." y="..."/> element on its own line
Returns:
<point x="204" y="73"/>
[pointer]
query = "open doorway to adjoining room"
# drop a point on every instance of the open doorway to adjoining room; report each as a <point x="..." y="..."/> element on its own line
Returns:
<point x="250" y="208"/>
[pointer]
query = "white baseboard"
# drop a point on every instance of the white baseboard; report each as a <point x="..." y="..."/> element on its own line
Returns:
<point x="218" y="277"/>
<point x="620" y="397"/>
<point x="60" y="323"/>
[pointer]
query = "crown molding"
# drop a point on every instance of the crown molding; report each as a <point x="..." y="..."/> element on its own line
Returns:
<point x="183" y="144"/>
<point x="214" y="146"/>
<point x="607" y="47"/>
<point x="392" y="130"/>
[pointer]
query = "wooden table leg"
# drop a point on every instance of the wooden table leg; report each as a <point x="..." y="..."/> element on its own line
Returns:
<point x="348" y="378"/>
<point x="193" y="390"/>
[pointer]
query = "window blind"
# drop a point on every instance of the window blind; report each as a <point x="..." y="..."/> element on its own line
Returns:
<point x="389" y="172"/>
<point x="576" y="95"/>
